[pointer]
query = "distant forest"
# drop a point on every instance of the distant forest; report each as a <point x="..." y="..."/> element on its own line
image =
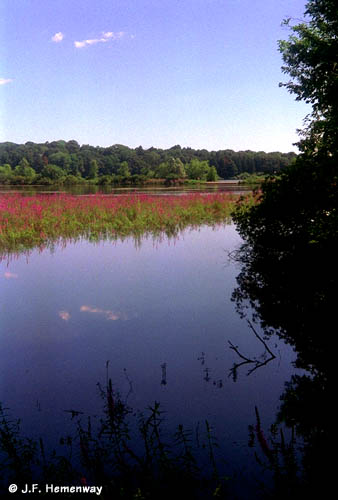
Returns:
<point x="64" y="162"/>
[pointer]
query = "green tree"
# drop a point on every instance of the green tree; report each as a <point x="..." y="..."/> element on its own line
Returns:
<point x="53" y="172"/>
<point x="303" y="205"/>
<point x="5" y="173"/>
<point x="298" y="214"/>
<point x="20" y="168"/>
<point x="24" y="170"/>
<point x="162" y="170"/>
<point x="124" y="170"/>
<point x="310" y="58"/>
<point x="72" y="147"/>
<point x="76" y="165"/>
<point x="212" y="174"/>
<point x="6" y="169"/>
<point x="93" y="170"/>
<point x="61" y="159"/>
<point x="197" y="169"/>
<point x="176" y="169"/>
<point x="171" y="169"/>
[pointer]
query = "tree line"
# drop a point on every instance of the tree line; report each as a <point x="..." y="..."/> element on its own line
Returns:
<point x="68" y="162"/>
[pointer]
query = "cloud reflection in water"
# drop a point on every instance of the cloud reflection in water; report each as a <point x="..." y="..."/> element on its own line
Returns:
<point x="64" y="315"/>
<point x="110" y="315"/>
<point x="8" y="275"/>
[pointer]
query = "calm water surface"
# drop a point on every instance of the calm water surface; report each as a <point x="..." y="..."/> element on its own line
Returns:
<point x="161" y="190"/>
<point x="65" y="313"/>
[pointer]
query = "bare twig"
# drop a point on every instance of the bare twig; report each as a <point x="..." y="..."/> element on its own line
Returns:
<point x="260" y="339"/>
<point x="258" y="363"/>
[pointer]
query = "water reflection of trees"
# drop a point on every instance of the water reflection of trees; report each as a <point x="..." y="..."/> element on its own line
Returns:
<point x="288" y="279"/>
<point x="253" y="362"/>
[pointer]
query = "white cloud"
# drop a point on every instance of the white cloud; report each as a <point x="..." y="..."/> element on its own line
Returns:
<point x="106" y="37"/>
<point x="93" y="41"/>
<point x="58" y="37"/>
<point x="3" y="81"/>
<point x="79" y="45"/>
<point x="112" y="35"/>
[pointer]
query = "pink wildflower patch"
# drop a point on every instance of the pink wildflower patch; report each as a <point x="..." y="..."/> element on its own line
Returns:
<point x="33" y="220"/>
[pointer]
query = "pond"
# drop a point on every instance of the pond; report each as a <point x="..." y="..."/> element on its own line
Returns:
<point x="211" y="187"/>
<point x="157" y="315"/>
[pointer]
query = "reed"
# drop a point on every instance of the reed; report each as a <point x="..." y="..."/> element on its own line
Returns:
<point x="30" y="221"/>
<point x="128" y="453"/>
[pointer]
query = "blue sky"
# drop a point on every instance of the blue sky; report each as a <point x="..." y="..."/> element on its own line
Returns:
<point x="199" y="73"/>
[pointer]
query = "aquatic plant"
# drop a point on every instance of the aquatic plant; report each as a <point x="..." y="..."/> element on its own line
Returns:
<point x="280" y="455"/>
<point x="37" y="220"/>
<point x="128" y="453"/>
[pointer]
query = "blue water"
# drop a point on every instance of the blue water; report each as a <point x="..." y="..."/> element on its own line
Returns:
<point x="160" y="312"/>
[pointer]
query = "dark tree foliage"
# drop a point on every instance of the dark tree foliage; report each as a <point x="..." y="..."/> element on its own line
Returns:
<point x="311" y="59"/>
<point x="289" y="272"/>
<point x="77" y="161"/>
<point x="299" y="211"/>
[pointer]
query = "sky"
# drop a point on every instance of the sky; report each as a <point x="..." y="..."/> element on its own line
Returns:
<point x="199" y="73"/>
